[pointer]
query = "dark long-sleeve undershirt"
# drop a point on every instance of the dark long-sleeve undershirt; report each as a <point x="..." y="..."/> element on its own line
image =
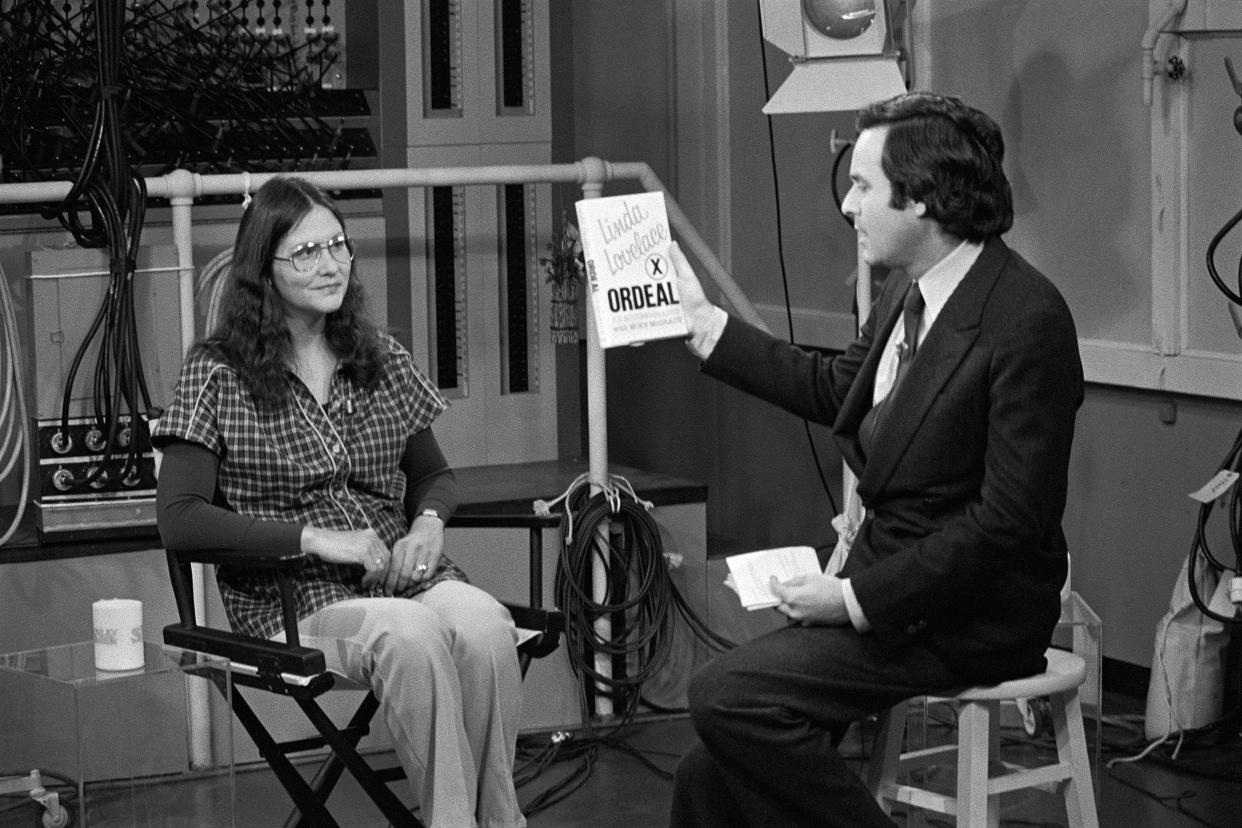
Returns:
<point x="191" y="517"/>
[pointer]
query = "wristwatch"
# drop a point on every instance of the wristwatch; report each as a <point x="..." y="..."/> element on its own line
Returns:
<point x="431" y="513"/>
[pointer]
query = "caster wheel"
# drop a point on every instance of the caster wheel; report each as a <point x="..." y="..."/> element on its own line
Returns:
<point x="1036" y="716"/>
<point x="62" y="819"/>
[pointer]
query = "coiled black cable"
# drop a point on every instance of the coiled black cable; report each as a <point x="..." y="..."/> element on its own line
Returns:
<point x="1200" y="547"/>
<point x="640" y="602"/>
<point x="1236" y="298"/>
<point x="1232" y="462"/>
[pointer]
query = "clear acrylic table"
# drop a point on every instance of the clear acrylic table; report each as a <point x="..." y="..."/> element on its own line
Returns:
<point x="111" y="747"/>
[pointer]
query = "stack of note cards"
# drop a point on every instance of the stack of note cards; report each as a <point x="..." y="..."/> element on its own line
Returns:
<point x="750" y="573"/>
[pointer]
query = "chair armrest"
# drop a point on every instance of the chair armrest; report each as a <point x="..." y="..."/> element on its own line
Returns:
<point x="282" y="565"/>
<point x="547" y="624"/>
<point x="246" y="558"/>
<point x="268" y="657"/>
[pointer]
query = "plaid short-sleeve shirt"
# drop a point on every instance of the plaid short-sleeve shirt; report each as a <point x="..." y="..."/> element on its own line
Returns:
<point x="332" y="466"/>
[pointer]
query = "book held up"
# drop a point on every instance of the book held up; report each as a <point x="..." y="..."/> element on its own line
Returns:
<point x="633" y="288"/>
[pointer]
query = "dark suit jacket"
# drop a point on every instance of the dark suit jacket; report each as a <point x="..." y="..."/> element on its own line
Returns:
<point x="962" y="549"/>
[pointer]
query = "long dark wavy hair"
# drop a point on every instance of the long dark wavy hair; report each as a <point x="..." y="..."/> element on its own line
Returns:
<point x="252" y="336"/>
<point x="948" y="155"/>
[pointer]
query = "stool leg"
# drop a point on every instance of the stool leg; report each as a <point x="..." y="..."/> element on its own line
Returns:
<point x="1072" y="750"/>
<point x="886" y="753"/>
<point x="975" y="721"/>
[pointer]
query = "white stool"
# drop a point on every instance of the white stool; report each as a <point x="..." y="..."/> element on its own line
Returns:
<point x="977" y="802"/>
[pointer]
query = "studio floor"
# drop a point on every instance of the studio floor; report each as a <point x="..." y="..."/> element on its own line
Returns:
<point x="624" y="782"/>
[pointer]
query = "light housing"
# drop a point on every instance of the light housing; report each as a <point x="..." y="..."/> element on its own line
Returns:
<point x="843" y="54"/>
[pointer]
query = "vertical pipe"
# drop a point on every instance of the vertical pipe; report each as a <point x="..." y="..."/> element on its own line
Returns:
<point x="181" y="197"/>
<point x="198" y="713"/>
<point x="595" y="173"/>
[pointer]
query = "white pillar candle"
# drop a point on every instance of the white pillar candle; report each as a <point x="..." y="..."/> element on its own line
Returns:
<point x="118" y="634"/>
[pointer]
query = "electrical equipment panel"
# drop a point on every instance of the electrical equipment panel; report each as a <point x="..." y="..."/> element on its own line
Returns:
<point x="447" y="290"/>
<point x="480" y="307"/>
<point x="210" y="87"/>
<point x="476" y="91"/>
<point x="515" y="231"/>
<point x="478" y="72"/>
<point x="77" y="488"/>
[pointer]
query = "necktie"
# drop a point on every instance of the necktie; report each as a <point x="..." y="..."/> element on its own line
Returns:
<point x="912" y="317"/>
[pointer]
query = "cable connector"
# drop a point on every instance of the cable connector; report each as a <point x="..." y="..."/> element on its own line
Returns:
<point x="546" y="506"/>
<point x="624" y="485"/>
<point x="560" y="737"/>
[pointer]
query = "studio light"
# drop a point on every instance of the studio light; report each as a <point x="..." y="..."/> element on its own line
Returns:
<point x="843" y="54"/>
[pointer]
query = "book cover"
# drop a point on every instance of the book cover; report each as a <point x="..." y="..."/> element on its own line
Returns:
<point x="750" y="573"/>
<point x="630" y="277"/>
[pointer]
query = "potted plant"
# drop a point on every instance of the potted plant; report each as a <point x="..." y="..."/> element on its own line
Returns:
<point x="564" y="267"/>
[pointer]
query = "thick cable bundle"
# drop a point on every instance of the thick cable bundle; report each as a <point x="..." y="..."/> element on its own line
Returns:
<point x="641" y="602"/>
<point x="219" y="86"/>
<point x="114" y="197"/>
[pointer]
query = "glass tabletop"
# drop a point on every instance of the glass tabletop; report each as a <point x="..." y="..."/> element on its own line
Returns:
<point x="74" y="664"/>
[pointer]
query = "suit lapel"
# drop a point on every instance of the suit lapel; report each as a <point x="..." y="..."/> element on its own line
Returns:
<point x="946" y="345"/>
<point x="857" y="401"/>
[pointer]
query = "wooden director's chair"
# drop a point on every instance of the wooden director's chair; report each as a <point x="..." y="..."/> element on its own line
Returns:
<point x="299" y="672"/>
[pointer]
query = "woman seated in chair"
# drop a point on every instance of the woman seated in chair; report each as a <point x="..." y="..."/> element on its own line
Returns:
<point x="299" y="425"/>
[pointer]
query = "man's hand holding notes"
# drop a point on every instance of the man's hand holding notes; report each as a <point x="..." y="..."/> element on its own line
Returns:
<point x="790" y="580"/>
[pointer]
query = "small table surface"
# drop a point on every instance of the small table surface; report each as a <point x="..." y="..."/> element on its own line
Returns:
<point x="74" y="664"/>
<point x="512" y="488"/>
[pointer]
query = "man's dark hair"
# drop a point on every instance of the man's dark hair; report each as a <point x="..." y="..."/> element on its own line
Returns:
<point x="947" y="155"/>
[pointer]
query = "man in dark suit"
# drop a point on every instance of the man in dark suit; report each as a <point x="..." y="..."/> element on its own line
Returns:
<point x="955" y="407"/>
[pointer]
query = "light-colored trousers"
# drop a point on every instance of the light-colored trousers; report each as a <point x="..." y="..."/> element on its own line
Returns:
<point x="444" y="667"/>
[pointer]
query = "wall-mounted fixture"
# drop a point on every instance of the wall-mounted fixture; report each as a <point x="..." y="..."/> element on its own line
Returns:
<point x="844" y="52"/>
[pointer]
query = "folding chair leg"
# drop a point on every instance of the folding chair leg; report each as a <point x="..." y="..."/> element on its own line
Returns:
<point x="329" y="773"/>
<point x="314" y="812"/>
<point x="392" y="807"/>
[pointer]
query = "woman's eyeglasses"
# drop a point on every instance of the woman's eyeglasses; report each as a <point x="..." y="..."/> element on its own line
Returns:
<point x="305" y="257"/>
